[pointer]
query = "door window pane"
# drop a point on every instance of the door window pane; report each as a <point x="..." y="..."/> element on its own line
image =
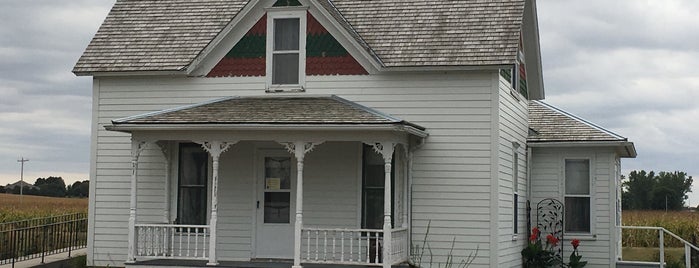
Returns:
<point x="277" y="173"/>
<point x="277" y="207"/>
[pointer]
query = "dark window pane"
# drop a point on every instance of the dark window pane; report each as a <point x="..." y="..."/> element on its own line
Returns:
<point x="277" y="173"/>
<point x="285" y="69"/>
<point x="286" y="34"/>
<point x="577" y="217"/>
<point x="192" y="187"/>
<point x="373" y="208"/>
<point x="577" y="176"/>
<point x="277" y="207"/>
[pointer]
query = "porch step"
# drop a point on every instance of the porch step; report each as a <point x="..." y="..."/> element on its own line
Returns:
<point x="238" y="264"/>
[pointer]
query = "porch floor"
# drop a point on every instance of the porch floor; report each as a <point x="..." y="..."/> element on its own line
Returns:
<point x="240" y="264"/>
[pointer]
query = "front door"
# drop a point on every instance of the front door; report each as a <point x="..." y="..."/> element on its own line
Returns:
<point x="275" y="205"/>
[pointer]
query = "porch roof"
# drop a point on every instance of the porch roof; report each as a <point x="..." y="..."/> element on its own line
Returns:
<point x="268" y="111"/>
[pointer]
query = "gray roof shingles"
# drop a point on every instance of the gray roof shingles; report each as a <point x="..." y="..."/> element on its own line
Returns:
<point x="167" y="35"/>
<point x="312" y="110"/>
<point x="550" y="124"/>
<point x="155" y="35"/>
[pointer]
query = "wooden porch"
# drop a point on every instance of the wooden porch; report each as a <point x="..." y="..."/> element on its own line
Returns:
<point x="239" y="264"/>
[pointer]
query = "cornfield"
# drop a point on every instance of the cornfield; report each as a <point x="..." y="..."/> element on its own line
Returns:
<point x="16" y="208"/>
<point x="682" y="223"/>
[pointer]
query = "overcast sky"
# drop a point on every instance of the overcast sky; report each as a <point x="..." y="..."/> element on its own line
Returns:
<point x="625" y="65"/>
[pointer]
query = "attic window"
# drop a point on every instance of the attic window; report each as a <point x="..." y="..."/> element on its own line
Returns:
<point x="286" y="53"/>
<point x="287" y="3"/>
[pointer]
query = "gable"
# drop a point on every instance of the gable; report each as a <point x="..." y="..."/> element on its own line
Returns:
<point x="324" y="54"/>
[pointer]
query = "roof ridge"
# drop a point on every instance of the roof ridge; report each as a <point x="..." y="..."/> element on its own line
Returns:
<point x="579" y="119"/>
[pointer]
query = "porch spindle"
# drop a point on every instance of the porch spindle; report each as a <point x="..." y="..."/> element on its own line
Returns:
<point x="136" y="149"/>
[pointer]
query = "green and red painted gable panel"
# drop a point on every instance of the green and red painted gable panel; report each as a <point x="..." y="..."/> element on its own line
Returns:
<point x="324" y="54"/>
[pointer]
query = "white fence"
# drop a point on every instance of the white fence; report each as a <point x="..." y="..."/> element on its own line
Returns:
<point x="166" y="241"/>
<point x="688" y="247"/>
<point x="351" y="246"/>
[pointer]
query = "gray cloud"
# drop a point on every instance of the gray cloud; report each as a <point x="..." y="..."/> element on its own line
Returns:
<point x="628" y="66"/>
<point x="44" y="108"/>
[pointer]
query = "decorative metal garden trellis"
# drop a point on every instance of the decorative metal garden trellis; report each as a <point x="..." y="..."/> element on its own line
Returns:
<point x="550" y="219"/>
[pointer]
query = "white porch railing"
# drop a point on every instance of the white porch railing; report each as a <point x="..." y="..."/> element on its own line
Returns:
<point x="688" y="247"/>
<point x="351" y="246"/>
<point x="167" y="241"/>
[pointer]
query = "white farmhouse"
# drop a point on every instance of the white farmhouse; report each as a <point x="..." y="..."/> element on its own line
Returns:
<point x="269" y="133"/>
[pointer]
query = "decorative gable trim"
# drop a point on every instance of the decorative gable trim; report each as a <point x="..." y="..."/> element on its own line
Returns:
<point x="251" y="15"/>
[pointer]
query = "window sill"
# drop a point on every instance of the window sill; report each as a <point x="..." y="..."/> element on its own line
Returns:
<point x="285" y="89"/>
<point x="581" y="237"/>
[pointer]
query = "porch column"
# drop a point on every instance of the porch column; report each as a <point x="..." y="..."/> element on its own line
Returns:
<point x="136" y="148"/>
<point x="165" y="148"/>
<point x="299" y="149"/>
<point x="386" y="150"/>
<point x="215" y="149"/>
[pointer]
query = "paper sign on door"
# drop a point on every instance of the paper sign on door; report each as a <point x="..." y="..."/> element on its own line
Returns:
<point x="273" y="183"/>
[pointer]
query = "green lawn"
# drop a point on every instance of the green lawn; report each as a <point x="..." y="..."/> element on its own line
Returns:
<point x="651" y="254"/>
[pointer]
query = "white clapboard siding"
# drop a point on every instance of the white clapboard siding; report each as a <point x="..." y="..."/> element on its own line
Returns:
<point x="513" y="127"/>
<point x="547" y="174"/>
<point x="451" y="172"/>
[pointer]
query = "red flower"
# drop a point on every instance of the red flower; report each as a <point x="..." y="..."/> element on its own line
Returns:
<point x="535" y="234"/>
<point x="552" y="240"/>
<point x="575" y="243"/>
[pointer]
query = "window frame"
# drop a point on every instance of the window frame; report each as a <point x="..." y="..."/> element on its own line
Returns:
<point x="589" y="196"/>
<point x="363" y="187"/>
<point x="175" y="188"/>
<point x="291" y="12"/>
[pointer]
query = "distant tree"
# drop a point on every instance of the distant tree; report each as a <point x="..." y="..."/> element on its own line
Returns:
<point x="51" y="186"/>
<point x="666" y="190"/>
<point x="2" y="189"/>
<point x="637" y="190"/>
<point x="79" y="189"/>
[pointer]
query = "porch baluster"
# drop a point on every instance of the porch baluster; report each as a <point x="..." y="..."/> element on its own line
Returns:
<point x="325" y="245"/>
<point x="334" y="235"/>
<point x="196" y="242"/>
<point x="317" y="235"/>
<point x="342" y="246"/>
<point x="308" y="245"/>
<point x="189" y="241"/>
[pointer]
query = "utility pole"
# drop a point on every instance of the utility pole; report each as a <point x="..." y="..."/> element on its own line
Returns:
<point x="21" y="177"/>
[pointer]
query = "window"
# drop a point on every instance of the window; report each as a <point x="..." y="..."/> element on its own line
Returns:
<point x="373" y="181"/>
<point x="277" y="190"/>
<point x="286" y="49"/>
<point x="515" y="188"/>
<point x="577" y="195"/>
<point x="192" y="184"/>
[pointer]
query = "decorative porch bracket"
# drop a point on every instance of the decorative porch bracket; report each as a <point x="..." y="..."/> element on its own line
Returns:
<point x="386" y="150"/>
<point x="299" y="149"/>
<point x="215" y="149"/>
<point x="137" y="147"/>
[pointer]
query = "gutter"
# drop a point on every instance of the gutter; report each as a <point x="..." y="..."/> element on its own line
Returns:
<point x="171" y="127"/>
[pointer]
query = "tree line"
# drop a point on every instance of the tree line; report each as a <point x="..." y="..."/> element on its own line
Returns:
<point x="650" y="191"/>
<point x="53" y="187"/>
